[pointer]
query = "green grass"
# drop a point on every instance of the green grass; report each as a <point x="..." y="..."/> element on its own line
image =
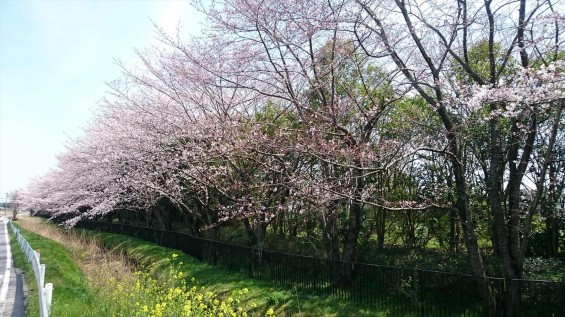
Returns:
<point x="221" y="281"/>
<point x="20" y="261"/>
<point x="73" y="297"/>
<point x="71" y="294"/>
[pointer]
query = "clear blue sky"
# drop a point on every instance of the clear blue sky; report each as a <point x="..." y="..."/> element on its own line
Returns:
<point x="55" y="57"/>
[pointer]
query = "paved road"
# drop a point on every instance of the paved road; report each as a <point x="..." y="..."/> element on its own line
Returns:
<point x="12" y="302"/>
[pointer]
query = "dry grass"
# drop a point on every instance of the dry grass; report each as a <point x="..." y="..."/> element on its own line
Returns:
<point x="97" y="263"/>
<point x="115" y="290"/>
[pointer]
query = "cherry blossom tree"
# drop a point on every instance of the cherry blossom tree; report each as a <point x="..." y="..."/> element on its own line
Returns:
<point x="422" y="44"/>
<point x="315" y="113"/>
<point x="15" y="198"/>
<point x="302" y="56"/>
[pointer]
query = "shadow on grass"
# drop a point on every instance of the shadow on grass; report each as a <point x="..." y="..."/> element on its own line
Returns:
<point x="71" y="295"/>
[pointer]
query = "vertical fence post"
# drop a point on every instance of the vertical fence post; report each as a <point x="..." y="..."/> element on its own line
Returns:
<point x="420" y="303"/>
<point x="48" y="296"/>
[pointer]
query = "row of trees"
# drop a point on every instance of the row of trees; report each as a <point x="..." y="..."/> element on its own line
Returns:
<point x="334" y="118"/>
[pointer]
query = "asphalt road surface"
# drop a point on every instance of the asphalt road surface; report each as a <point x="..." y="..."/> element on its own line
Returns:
<point x="12" y="299"/>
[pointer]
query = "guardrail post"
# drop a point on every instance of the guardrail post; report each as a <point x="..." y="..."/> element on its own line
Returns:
<point x="48" y="296"/>
<point x="40" y="288"/>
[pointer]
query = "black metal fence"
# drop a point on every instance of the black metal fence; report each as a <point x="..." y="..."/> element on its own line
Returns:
<point x="404" y="291"/>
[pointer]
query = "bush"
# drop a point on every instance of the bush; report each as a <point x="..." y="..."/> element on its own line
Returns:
<point x="145" y="296"/>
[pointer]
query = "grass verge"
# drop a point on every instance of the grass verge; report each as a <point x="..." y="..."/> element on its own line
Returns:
<point x="261" y="294"/>
<point x="100" y="258"/>
<point x="20" y="261"/>
<point x="72" y="297"/>
<point x="108" y="287"/>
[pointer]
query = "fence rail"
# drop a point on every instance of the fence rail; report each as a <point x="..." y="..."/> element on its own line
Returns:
<point x="403" y="291"/>
<point x="45" y="290"/>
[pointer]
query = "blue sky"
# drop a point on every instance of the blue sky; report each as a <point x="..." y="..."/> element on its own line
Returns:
<point x="55" y="57"/>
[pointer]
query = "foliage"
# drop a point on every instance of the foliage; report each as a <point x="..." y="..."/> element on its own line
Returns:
<point x="220" y="281"/>
<point x="336" y="123"/>
<point x="170" y="296"/>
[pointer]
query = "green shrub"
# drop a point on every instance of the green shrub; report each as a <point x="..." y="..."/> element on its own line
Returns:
<point x="145" y="296"/>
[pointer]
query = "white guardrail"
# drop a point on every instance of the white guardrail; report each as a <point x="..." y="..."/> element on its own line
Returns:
<point x="45" y="290"/>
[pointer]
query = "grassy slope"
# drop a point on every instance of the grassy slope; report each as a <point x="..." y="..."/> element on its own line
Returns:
<point x="74" y="297"/>
<point x="221" y="281"/>
<point x="71" y="295"/>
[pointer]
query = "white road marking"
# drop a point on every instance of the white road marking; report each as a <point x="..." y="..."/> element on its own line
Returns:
<point x="6" y="277"/>
<point x="8" y="249"/>
<point x="4" y="291"/>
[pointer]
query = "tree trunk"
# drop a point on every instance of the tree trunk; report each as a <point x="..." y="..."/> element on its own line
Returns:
<point x="330" y="237"/>
<point x="549" y="211"/>
<point x="353" y="229"/>
<point x="453" y="232"/>
<point x="465" y="217"/>
<point x="261" y="229"/>
<point x="552" y="234"/>
<point x="353" y="221"/>
<point x="329" y="227"/>
<point x="501" y="233"/>
<point x="410" y="229"/>
<point x="380" y="227"/>
<point x="250" y="232"/>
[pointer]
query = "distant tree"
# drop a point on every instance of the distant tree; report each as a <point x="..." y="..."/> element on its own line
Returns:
<point x="15" y="198"/>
